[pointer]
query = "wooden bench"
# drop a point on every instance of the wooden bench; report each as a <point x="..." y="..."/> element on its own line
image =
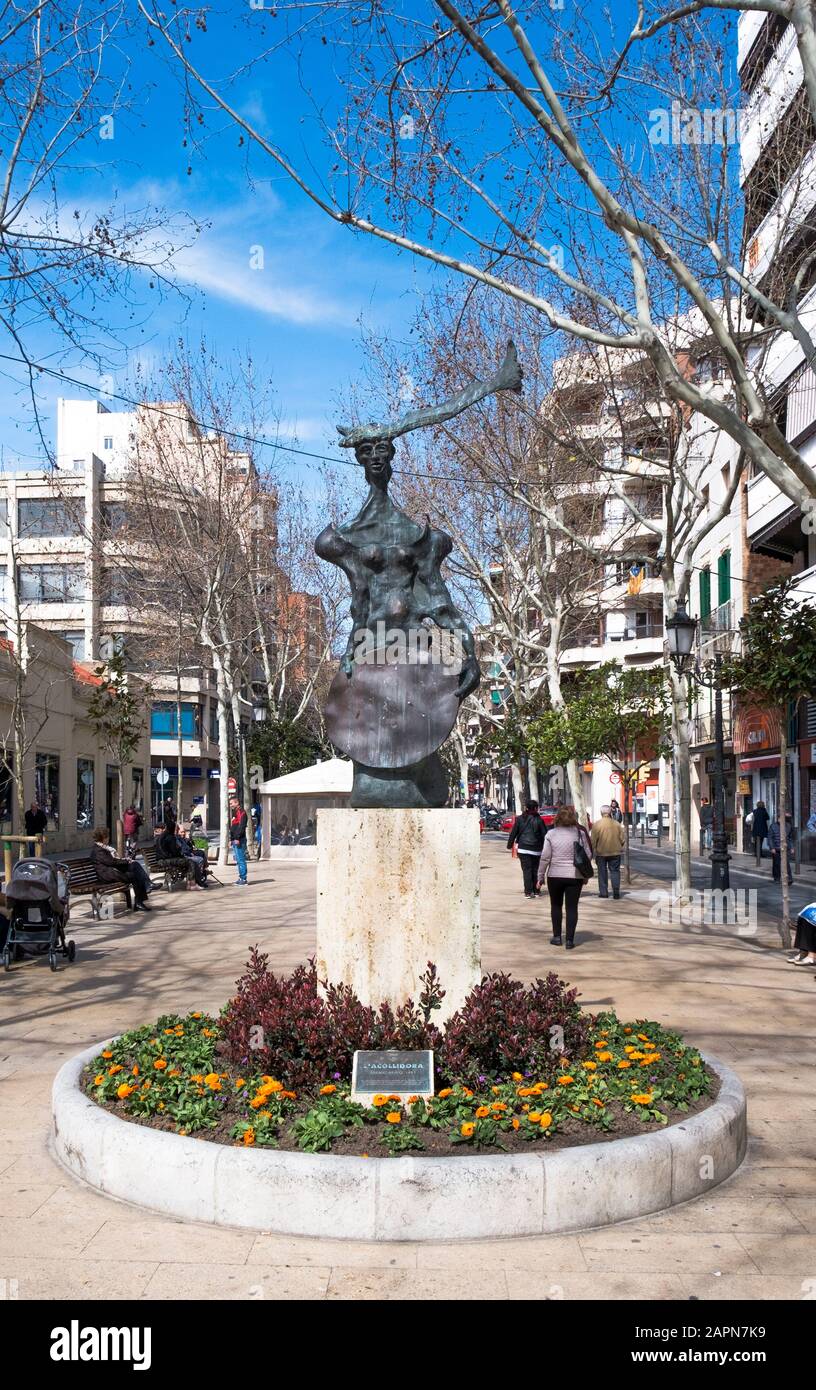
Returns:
<point x="172" y="871"/>
<point x="83" y="881"/>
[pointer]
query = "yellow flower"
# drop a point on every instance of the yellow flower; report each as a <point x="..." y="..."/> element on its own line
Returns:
<point x="534" y="1117"/>
<point x="481" y="1112"/>
<point x="540" y="1086"/>
<point x="590" y="1066"/>
<point x="545" y="1121"/>
<point x="394" y="1117"/>
<point x="382" y="1100"/>
<point x="604" y="1056"/>
<point x="213" y="1081"/>
<point x="636" y="1056"/>
<point x="643" y="1037"/>
<point x="517" y="1076"/>
<point x="623" y="1065"/>
<point x="566" y="1080"/>
<point x="326" y="1090"/>
<point x="467" y="1129"/>
<point x="653" y="1057"/>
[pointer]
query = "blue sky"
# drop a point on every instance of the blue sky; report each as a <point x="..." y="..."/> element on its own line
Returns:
<point x="302" y="315"/>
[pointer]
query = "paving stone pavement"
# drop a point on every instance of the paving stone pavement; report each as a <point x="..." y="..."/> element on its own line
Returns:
<point x="754" y="1237"/>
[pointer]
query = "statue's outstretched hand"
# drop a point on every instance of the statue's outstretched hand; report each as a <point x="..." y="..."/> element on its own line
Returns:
<point x="469" y="678"/>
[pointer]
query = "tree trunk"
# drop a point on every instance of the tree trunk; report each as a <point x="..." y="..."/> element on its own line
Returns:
<point x="627" y="823"/>
<point x="119" y="834"/>
<point x="681" y="778"/>
<point x="518" y="787"/>
<point x="179" y="747"/>
<point x="785" y="924"/>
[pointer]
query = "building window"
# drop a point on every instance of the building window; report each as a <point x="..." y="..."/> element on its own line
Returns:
<point x="120" y="587"/>
<point x="6" y="794"/>
<point x="52" y="517"/>
<point x="77" y="641"/>
<point x="724" y="578"/>
<point x="163" y="722"/>
<point x="46" y="787"/>
<point x="52" y="583"/>
<point x="107" y="442"/>
<point x="85" y="794"/>
<point x="137" y="799"/>
<point x="4" y="516"/>
<point x="214" y="720"/>
<point x="115" y="518"/>
<point x="705" y="593"/>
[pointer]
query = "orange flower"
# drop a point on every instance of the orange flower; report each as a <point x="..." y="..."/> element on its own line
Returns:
<point x="197" y="1077"/>
<point x="394" y="1117"/>
<point x="98" y="1080"/>
<point x="546" y="1120"/>
<point x="652" y="1057"/>
<point x="601" y="1046"/>
<point x="645" y="1099"/>
<point x="174" y="1071"/>
<point x="213" y="1081"/>
<point x="499" y="1106"/>
<point x="623" y="1065"/>
<point x="516" y="1123"/>
<point x="467" y="1129"/>
<point x="380" y="1100"/>
<point x="590" y="1066"/>
<point x="525" y="1091"/>
<point x="495" y="1090"/>
<point x="249" y="1138"/>
<point x="643" y="1037"/>
<point x="113" y="1070"/>
<point x="566" y="1080"/>
<point x="534" y="1117"/>
<point x="196" y="1015"/>
<point x="124" y="1091"/>
<point x="169" y="1032"/>
<point x="270" y="1087"/>
<point x="412" y="1100"/>
<point x="595" y="1101"/>
<point x="635" y="1056"/>
<point x="395" y="1097"/>
<point x="134" y="1071"/>
<point x="107" y="1054"/>
<point x="604" y="1056"/>
<point x="629" y="1048"/>
<point x="448" y="1091"/>
<point x="290" y="1095"/>
<point x="540" y="1086"/>
<point x="466" y="1091"/>
<point x="627" y="1030"/>
<point x="257" y="1102"/>
<point x="576" y="1108"/>
<point x="159" y="1064"/>
<point x="482" y="1111"/>
<point x="517" y="1076"/>
<point x="327" y="1090"/>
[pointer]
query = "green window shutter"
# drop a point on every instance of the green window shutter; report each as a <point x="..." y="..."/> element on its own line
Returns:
<point x="724" y="577"/>
<point x="705" y="593"/>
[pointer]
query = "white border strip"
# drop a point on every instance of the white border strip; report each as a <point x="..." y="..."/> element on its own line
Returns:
<point x="407" y="1198"/>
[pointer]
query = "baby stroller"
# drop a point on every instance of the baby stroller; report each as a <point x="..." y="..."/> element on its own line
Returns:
<point x="37" y="898"/>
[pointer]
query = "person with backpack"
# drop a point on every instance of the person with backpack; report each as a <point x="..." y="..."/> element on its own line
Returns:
<point x="528" y="835"/>
<point x="566" y="864"/>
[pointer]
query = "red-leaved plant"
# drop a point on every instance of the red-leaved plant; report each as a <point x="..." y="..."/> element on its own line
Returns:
<point x="282" y="1026"/>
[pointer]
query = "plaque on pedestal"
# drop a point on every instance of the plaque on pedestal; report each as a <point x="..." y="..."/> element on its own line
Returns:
<point x="392" y="1073"/>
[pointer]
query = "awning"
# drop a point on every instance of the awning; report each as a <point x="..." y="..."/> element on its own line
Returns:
<point x="755" y="764"/>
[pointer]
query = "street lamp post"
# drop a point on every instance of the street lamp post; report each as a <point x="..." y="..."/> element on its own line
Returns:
<point x="680" y="634"/>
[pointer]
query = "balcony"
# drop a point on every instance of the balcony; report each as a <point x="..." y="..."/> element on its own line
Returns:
<point x="702" y="728"/>
<point x="769" y="101"/>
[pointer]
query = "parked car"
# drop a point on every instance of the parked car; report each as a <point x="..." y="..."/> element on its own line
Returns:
<point x="547" y="814"/>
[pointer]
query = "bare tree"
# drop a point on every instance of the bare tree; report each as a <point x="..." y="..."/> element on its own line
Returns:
<point x="504" y="145"/>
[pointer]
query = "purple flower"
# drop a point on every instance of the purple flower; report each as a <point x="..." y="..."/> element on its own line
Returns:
<point x="336" y="1075"/>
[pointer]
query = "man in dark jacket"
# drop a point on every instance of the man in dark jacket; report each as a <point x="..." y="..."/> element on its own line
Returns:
<point x="109" y="869"/>
<point x="760" y="823"/>
<point x="36" y="821"/>
<point x="528" y="834"/>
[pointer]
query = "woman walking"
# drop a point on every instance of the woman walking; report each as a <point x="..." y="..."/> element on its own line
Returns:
<point x="564" y="880"/>
<point x="528" y="834"/>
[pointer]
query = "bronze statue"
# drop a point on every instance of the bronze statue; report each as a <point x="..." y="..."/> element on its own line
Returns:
<point x="397" y="694"/>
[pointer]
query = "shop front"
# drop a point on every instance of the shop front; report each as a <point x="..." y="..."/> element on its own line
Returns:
<point x="756" y="745"/>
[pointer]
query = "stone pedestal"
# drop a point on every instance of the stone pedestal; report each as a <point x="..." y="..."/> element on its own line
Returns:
<point x="396" y="889"/>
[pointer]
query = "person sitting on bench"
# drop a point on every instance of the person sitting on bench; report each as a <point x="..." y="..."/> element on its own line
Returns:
<point x="195" y="856"/>
<point x="109" y="869"/>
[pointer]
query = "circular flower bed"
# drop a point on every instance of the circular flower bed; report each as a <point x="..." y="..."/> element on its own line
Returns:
<point x="611" y="1080"/>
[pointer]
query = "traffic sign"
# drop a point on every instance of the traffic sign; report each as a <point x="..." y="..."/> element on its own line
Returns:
<point x="232" y="785"/>
<point x="162" y="776"/>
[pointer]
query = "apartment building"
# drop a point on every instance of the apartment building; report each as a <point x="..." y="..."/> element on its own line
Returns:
<point x="58" y="534"/>
<point x="778" y="176"/>
<point x="64" y="769"/>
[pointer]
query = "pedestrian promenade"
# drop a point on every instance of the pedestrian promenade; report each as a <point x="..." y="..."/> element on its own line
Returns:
<point x="754" y="1237"/>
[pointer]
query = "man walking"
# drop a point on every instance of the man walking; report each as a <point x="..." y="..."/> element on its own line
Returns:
<point x="775" y="841"/>
<point x="238" y="838"/>
<point x="608" y="839"/>
<point x="760" y="823"/>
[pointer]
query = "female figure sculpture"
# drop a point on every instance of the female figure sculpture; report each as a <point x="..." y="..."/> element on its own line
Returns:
<point x="394" y="701"/>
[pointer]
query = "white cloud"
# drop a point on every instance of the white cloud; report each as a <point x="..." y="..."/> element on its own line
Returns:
<point x="223" y="273"/>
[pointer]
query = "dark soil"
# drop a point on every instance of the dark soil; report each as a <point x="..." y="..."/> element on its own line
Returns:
<point x="364" y="1141"/>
